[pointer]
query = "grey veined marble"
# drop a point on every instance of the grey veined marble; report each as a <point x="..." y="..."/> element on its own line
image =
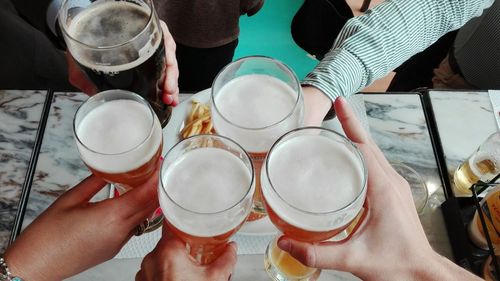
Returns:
<point x="19" y="118"/>
<point x="59" y="166"/>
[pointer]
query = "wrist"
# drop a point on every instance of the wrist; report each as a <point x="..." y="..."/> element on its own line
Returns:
<point x="6" y="274"/>
<point x="24" y="266"/>
<point x="437" y="267"/>
<point x="317" y="105"/>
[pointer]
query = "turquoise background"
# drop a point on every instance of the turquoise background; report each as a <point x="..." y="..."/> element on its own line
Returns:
<point x="268" y="33"/>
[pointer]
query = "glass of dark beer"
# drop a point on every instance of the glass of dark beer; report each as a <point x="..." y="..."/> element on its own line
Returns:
<point x="118" y="45"/>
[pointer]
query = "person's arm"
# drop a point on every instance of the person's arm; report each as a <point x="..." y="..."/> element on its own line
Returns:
<point x="390" y="244"/>
<point x="372" y="45"/>
<point x="74" y="234"/>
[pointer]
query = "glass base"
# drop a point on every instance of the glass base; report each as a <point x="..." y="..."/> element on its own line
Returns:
<point x="298" y="272"/>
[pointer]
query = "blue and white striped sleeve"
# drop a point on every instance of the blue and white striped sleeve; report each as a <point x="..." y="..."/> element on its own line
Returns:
<point x="372" y="45"/>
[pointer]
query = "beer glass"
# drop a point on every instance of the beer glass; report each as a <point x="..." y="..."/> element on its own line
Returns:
<point x="483" y="164"/>
<point x="118" y="45"/>
<point x="120" y="140"/>
<point x="254" y="101"/>
<point x="206" y="190"/>
<point x="314" y="186"/>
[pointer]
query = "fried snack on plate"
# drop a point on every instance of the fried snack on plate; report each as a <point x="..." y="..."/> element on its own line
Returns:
<point x="198" y="120"/>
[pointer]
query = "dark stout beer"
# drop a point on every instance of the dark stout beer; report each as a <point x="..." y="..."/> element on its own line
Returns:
<point x="119" y="45"/>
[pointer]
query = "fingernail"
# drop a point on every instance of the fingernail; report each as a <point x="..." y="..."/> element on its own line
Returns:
<point x="284" y="244"/>
<point x="167" y="99"/>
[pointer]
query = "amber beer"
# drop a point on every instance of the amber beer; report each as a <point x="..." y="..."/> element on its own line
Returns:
<point x="314" y="186"/>
<point x="483" y="164"/>
<point x="205" y="192"/>
<point x="132" y="178"/>
<point x="255" y="108"/>
<point x="119" y="140"/>
<point x="471" y="171"/>
<point x="119" y="45"/>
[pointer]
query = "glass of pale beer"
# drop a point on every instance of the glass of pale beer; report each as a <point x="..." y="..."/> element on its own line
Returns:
<point x="254" y="101"/>
<point x="314" y="185"/>
<point x="119" y="138"/>
<point x="483" y="164"/>
<point x="118" y="44"/>
<point x="205" y="192"/>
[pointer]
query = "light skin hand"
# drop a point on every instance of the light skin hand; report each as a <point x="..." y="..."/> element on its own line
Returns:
<point x="169" y="261"/>
<point x="170" y="95"/>
<point x="170" y="85"/>
<point x="391" y="243"/>
<point x="316" y="105"/>
<point x="74" y="234"/>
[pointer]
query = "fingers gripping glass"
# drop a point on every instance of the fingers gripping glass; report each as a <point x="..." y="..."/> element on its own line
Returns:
<point x="120" y="140"/>
<point x="314" y="187"/>
<point x="118" y="45"/>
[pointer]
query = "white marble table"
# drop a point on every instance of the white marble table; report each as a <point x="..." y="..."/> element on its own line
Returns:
<point x="464" y="120"/>
<point x="20" y="113"/>
<point x="397" y="123"/>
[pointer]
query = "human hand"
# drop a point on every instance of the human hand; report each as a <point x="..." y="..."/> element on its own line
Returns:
<point x="391" y="241"/>
<point x="170" y="94"/>
<point x="170" y="85"/>
<point x="74" y="234"/>
<point x="170" y="261"/>
<point x="316" y="105"/>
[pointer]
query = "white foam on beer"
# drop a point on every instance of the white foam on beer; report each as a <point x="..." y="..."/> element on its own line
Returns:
<point x="118" y="127"/>
<point x="205" y="180"/>
<point x="255" y="101"/>
<point x="315" y="174"/>
<point x="89" y="27"/>
<point x="481" y="156"/>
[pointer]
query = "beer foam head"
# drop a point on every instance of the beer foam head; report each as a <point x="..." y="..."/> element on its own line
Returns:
<point x="485" y="165"/>
<point x="314" y="174"/>
<point x="253" y="104"/>
<point x="111" y="24"/>
<point x="205" y="181"/>
<point x="118" y="136"/>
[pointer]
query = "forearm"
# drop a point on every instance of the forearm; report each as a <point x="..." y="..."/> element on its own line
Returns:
<point x="372" y="45"/>
<point x="431" y="267"/>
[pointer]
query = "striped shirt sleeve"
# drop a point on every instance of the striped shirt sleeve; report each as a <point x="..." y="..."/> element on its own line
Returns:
<point x="372" y="45"/>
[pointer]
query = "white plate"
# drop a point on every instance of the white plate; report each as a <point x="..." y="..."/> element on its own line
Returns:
<point x="171" y="137"/>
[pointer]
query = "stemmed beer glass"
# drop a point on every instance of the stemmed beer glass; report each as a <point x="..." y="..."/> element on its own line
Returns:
<point x="255" y="100"/>
<point x="118" y="44"/>
<point x="119" y="138"/>
<point x="314" y="185"/>
<point x="206" y="190"/>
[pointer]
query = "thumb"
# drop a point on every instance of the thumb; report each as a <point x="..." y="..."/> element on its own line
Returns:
<point x="325" y="255"/>
<point x="225" y="263"/>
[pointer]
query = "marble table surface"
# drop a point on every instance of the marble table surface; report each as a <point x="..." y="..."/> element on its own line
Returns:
<point x="396" y="121"/>
<point x="20" y="113"/>
<point x="464" y="120"/>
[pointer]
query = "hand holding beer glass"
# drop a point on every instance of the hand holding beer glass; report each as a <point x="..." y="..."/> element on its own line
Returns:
<point x="119" y="138"/>
<point x="206" y="190"/>
<point x="254" y="101"/>
<point x="118" y="45"/>
<point x="314" y="185"/>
